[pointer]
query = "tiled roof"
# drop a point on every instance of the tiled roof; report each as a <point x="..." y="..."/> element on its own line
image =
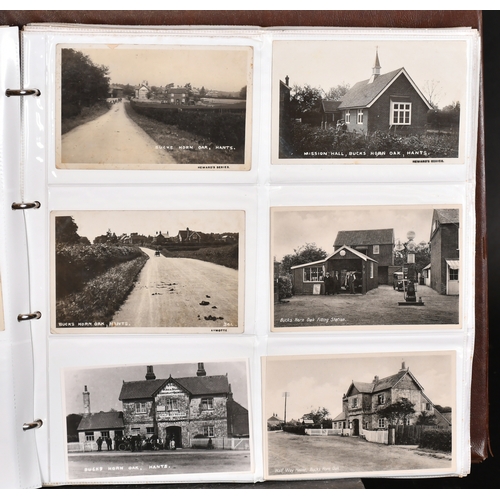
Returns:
<point x="363" y="93"/>
<point x="141" y="389"/>
<point x="330" y="106"/>
<point x="200" y="386"/>
<point x="447" y="215"/>
<point x="365" y="237"/>
<point x="101" y="421"/>
<point x="343" y="247"/>
<point x="383" y="383"/>
<point x="340" y="416"/>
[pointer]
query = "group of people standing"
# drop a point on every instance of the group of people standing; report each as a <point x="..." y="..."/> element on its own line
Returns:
<point x="333" y="283"/>
<point x="107" y="440"/>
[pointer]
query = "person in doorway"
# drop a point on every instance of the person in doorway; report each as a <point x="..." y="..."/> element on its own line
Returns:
<point x="352" y="283"/>
<point x="99" y="443"/>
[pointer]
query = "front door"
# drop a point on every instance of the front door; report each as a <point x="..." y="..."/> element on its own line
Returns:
<point x="355" y="427"/>
<point x="453" y="281"/>
<point x="173" y="437"/>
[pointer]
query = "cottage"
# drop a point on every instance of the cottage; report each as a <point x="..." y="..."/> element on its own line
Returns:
<point x="378" y="244"/>
<point x="309" y="279"/>
<point x="445" y="253"/>
<point x="181" y="409"/>
<point x="274" y="422"/>
<point x="142" y="91"/>
<point x="188" y="236"/>
<point x="92" y="426"/>
<point x="389" y="102"/>
<point x="363" y="399"/>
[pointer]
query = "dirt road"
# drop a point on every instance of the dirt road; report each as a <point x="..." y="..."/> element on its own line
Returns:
<point x="181" y="292"/>
<point x="111" y="138"/>
<point x="294" y="454"/>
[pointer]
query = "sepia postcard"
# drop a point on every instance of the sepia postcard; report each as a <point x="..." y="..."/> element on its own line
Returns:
<point x="359" y="415"/>
<point x="371" y="266"/>
<point x="147" y="271"/>
<point x="369" y="101"/>
<point x="157" y="420"/>
<point x="154" y="107"/>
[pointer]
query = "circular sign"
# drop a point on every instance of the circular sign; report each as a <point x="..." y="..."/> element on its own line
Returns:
<point x="411" y="246"/>
<point x="410" y="235"/>
<point x="399" y="246"/>
<point x="342" y="253"/>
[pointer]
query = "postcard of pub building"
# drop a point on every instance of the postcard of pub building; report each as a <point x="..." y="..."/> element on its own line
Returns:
<point x="157" y="420"/>
<point x="355" y="415"/>
<point x="371" y="267"/>
<point x="369" y="101"/>
<point x="154" y="107"/>
<point x="148" y="271"/>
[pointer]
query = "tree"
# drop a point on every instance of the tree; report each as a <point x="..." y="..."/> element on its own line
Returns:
<point x="432" y="90"/>
<point x="426" y="419"/>
<point x="302" y="255"/>
<point x="66" y="230"/>
<point x="243" y="92"/>
<point x="203" y="92"/>
<point x="336" y="93"/>
<point x="397" y="413"/>
<point x="317" y="416"/>
<point x="305" y="99"/>
<point x="422" y="253"/>
<point x="83" y="83"/>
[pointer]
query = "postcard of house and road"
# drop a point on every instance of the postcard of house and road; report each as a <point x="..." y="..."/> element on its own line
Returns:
<point x="359" y="415"/>
<point x="157" y="420"/>
<point x="362" y="101"/>
<point x="147" y="271"/>
<point x="379" y="267"/>
<point x="154" y="107"/>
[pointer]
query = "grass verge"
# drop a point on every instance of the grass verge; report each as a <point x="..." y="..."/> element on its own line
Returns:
<point x="101" y="297"/>
<point x="178" y="142"/>
<point x="86" y="115"/>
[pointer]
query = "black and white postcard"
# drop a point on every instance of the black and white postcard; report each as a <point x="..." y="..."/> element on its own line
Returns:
<point x="148" y="271"/>
<point x="359" y="415"/>
<point x="371" y="266"/>
<point x="361" y="101"/>
<point x="155" y="420"/>
<point x="154" y="107"/>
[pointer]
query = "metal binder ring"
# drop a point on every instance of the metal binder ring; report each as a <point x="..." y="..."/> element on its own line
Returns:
<point x="32" y="425"/>
<point x="26" y="317"/>
<point x="21" y="92"/>
<point x="24" y="205"/>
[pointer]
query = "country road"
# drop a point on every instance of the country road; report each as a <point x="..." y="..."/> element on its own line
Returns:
<point x="169" y="293"/>
<point x="111" y="138"/>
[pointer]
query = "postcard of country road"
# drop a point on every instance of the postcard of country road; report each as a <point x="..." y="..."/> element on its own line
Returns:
<point x="147" y="271"/>
<point x="355" y="415"/>
<point x="153" y="107"/>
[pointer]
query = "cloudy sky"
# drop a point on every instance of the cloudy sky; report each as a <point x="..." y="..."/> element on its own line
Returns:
<point x="96" y="223"/>
<point x="293" y="227"/>
<point x="216" y="68"/>
<point x="327" y="64"/>
<point x="104" y="384"/>
<point x="321" y="381"/>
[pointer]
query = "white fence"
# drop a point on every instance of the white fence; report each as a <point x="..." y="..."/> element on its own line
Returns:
<point x="323" y="432"/>
<point x="224" y="443"/>
<point x="380" y="436"/>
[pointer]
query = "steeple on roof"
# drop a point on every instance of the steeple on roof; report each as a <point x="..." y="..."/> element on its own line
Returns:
<point x="376" y="68"/>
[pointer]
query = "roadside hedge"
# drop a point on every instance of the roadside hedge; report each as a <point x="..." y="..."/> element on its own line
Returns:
<point x="438" y="439"/>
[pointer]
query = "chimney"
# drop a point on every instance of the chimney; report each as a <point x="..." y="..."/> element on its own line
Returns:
<point x="201" y="370"/>
<point x="403" y="367"/>
<point x="376" y="69"/>
<point x="86" y="402"/>
<point x="287" y="81"/>
<point x="375" y="380"/>
<point x="150" y="374"/>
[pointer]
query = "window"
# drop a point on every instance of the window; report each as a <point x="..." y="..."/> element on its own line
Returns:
<point x="382" y="423"/>
<point x="371" y="269"/>
<point x="428" y="407"/>
<point x="172" y="404"/>
<point x="400" y="113"/>
<point x="453" y="274"/>
<point x="89" y="436"/>
<point x="208" y="431"/>
<point x="313" y="274"/>
<point x="140" y="407"/>
<point x="150" y="430"/>
<point x="348" y="116"/>
<point x="360" y="116"/>
<point x="207" y="403"/>
<point x="354" y="402"/>
<point x="376" y="249"/>
<point x="105" y="434"/>
<point x="381" y="399"/>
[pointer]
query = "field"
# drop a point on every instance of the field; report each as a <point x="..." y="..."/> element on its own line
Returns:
<point x="192" y="148"/>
